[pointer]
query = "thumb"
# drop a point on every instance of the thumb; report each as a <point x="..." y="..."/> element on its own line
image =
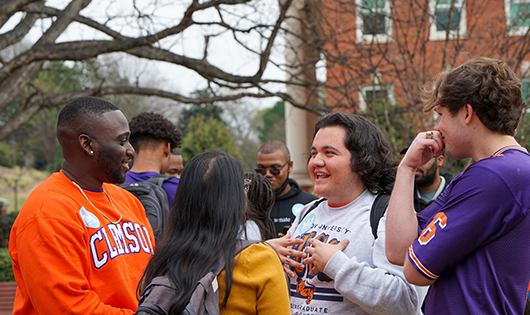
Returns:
<point x="342" y="245"/>
<point x="288" y="234"/>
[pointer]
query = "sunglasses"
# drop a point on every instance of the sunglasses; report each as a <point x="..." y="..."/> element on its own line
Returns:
<point x="274" y="171"/>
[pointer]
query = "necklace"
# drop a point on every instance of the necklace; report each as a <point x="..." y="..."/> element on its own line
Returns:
<point x="82" y="192"/>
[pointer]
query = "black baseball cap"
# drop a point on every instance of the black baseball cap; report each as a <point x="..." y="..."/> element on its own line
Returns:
<point x="404" y="150"/>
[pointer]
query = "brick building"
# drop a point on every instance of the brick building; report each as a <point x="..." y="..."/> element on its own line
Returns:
<point x="385" y="50"/>
<point x="379" y="53"/>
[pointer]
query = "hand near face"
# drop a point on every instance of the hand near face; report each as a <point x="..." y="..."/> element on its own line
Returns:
<point x="282" y="247"/>
<point x="321" y="253"/>
<point x="423" y="149"/>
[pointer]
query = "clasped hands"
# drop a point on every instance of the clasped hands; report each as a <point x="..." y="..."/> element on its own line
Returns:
<point x="320" y="253"/>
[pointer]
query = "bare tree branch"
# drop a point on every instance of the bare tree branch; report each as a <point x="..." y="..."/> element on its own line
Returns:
<point x="21" y="30"/>
<point x="8" y="92"/>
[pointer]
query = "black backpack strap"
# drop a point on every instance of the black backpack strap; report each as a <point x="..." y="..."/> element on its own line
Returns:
<point x="378" y="210"/>
<point x="162" y="287"/>
<point x="313" y="207"/>
<point x="160" y="179"/>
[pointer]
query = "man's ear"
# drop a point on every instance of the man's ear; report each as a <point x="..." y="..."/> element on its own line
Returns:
<point x="86" y="143"/>
<point x="290" y="166"/>
<point x="167" y="149"/>
<point x="470" y="113"/>
<point x="440" y="160"/>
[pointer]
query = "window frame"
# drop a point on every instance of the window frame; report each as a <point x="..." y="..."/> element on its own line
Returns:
<point x="460" y="32"/>
<point x="375" y="87"/>
<point x="377" y="38"/>
<point x="514" y="30"/>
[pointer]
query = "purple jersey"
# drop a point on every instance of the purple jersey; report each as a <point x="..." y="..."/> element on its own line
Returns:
<point x="170" y="187"/>
<point x="474" y="240"/>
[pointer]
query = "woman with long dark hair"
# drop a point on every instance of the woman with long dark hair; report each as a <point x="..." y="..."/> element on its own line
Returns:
<point x="203" y="225"/>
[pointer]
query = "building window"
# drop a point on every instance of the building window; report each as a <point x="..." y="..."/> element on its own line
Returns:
<point x="375" y="95"/>
<point x="447" y="15"/>
<point x="373" y="21"/>
<point x="517" y="16"/>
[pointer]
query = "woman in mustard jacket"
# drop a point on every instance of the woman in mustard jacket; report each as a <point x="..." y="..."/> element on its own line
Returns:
<point x="203" y="225"/>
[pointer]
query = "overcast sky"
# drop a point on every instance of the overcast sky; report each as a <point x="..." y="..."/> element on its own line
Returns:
<point x="223" y="51"/>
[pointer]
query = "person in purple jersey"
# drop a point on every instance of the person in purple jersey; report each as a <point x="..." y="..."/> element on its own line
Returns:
<point x="472" y="245"/>
<point x="153" y="137"/>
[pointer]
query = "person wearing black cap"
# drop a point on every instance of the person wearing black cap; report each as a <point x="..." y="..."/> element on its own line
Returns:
<point x="429" y="182"/>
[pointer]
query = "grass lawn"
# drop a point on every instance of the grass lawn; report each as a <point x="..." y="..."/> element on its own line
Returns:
<point x="29" y="180"/>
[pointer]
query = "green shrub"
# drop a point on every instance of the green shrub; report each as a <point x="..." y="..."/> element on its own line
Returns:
<point x="8" y="155"/>
<point x="6" y="222"/>
<point x="6" y="266"/>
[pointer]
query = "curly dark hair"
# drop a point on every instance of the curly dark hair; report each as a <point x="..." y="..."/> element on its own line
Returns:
<point x="260" y="199"/>
<point x="488" y="85"/>
<point x="149" y="129"/>
<point x="370" y="151"/>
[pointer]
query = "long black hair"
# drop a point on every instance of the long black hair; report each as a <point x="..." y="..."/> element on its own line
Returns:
<point x="202" y="227"/>
<point x="260" y="199"/>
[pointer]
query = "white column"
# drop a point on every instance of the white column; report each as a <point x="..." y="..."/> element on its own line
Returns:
<point x="301" y="57"/>
<point x="298" y="142"/>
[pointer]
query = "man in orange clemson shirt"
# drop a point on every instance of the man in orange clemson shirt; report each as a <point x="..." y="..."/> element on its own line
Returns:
<point x="80" y="244"/>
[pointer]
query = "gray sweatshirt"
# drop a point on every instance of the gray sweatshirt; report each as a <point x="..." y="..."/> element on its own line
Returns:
<point x="357" y="280"/>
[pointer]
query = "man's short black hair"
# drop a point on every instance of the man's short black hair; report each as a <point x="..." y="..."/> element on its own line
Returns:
<point x="175" y="152"/>
<point x="83" y="110"/>
<point x="151" y="129"/>
<point x="274" y="145"/>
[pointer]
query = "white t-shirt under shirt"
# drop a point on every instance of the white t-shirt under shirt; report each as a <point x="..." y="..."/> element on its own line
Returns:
<point x="250" y="231"/>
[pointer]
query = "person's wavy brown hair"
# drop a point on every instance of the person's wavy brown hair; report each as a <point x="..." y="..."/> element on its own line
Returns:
<point x="370" y="151"/>
<point x="488" y="85"/>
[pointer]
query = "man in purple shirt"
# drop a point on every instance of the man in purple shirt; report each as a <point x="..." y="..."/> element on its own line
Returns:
<point x="472" y="244"/>
<point x="153" y="137"/>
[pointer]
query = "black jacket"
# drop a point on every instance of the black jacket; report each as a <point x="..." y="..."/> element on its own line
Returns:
<point x="420" y="204"/>
<point x="282" y="212"/>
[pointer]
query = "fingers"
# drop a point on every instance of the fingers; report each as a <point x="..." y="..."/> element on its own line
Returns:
<point x="282" y="247"/>
<point x="316" y="243"/>
<point x="288" y="271"/>
<point x="320" y="253"/>
<point x="434" y="140"/>
<point x="422" y="149"/>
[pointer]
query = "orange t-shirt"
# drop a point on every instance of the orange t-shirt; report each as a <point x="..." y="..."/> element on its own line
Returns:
<point x="69" y="259"/>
